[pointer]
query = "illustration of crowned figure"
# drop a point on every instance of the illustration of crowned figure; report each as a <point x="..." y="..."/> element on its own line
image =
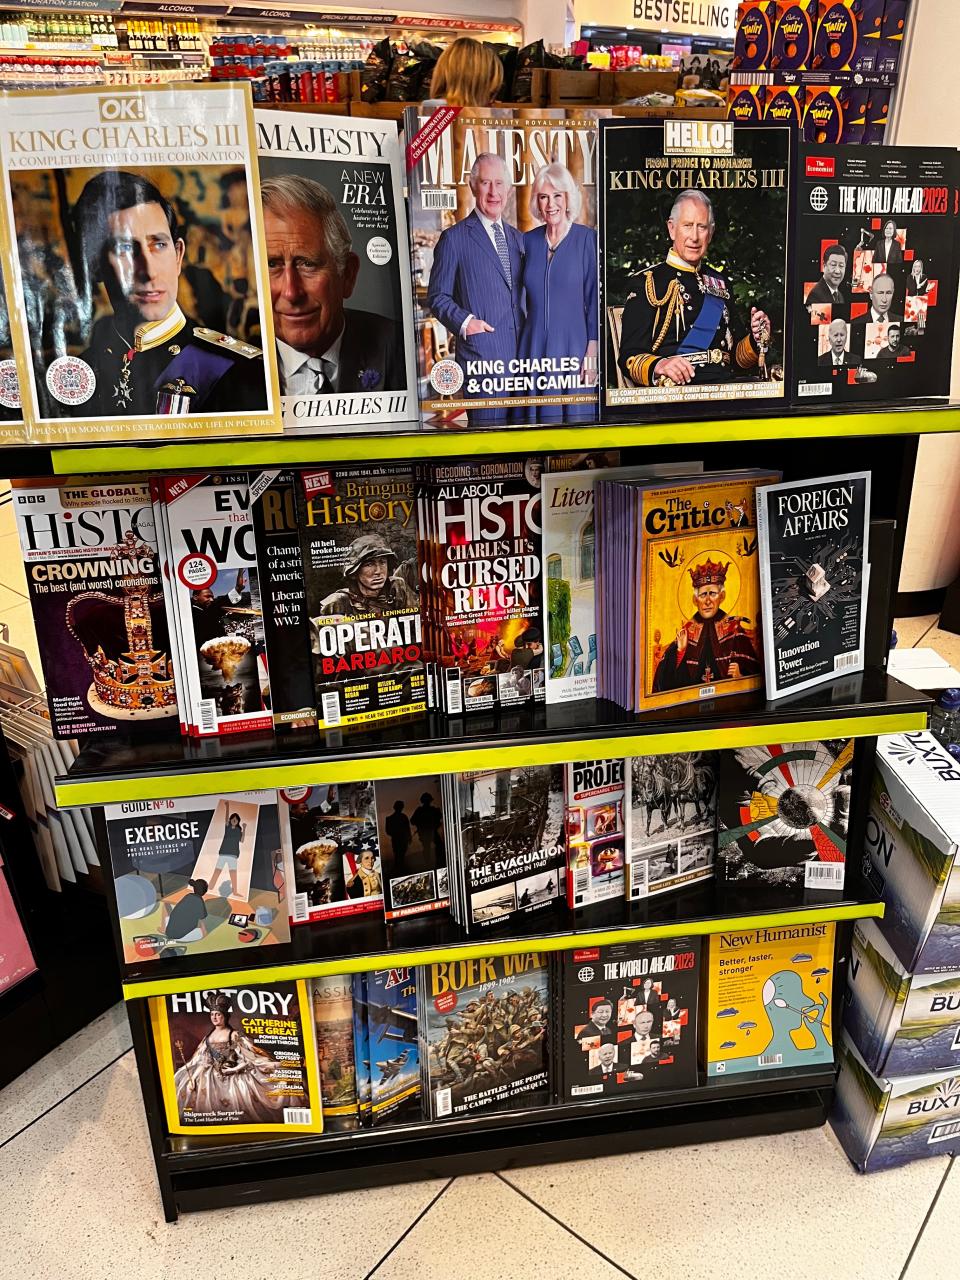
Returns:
<point x="711" y="646"/>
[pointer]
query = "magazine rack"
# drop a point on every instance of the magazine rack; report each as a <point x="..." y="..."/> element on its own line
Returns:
<point x="201" y="1172"/>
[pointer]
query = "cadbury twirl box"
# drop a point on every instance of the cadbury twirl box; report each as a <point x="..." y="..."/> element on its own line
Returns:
<point x="848" y="35"/>
<point x="753" y="43"/>
<point x="794" y="34"/>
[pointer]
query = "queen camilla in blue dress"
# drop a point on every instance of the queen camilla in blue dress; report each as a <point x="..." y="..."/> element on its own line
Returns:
<point x="560" y="283"/>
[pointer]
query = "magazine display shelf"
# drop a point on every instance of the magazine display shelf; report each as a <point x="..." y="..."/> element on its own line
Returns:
<point x="202" y="1172"/>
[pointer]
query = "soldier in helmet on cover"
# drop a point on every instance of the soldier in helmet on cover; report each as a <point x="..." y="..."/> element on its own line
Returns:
<point x="148" y="357"/>
<point x="710" y="647"/>
<point x="374" y="588"/>
<point x="677" y="328"/>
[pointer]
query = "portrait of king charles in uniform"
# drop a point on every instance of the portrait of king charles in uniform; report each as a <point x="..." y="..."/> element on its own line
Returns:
<point x="711" y="646"/>
<point x="148" y="356"/>
<point x="678" y="327"/>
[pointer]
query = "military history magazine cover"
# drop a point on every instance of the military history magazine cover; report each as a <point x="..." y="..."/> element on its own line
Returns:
<point x="135" y="264"/>
<point x="595" y="825"/>
<point x="394" y="1044"/>
<point x="876" y="273"/>
<point x="198" y="875"/>
<point x="216" y="589"/>
<point x="486" y="1027"/>
<point x="769" y="999"/>
<point x="784" y="813"/>
<point x="629" y="1022"/>
<point x="671" y="822"/>
<point x="509" y="851"/>
<point x="361" y="1048"/>
<point x="569" y="572"/>
<point x="480" y="559"/>
<point x="504" y="253"/>
<point x="332" y="850"/>
<point x="814" y="573"/>
<point x="694" y="222"/>
<point x="89" y="549"/>
<point x="358" y="535"/>
<point x="273" y="509"/>
<point x="413" y="846"/>
<point x="332" y="1002"/>
<point x="336" y="235"/>
<point x="238" y="1060"/>
<point x="695" y="631"/>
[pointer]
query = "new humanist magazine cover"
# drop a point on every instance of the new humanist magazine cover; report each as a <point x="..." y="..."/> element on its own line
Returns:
<point x="359" y="538"/>
<point x="784" y="813"/>
<point x="504" y="249"/>
<point x="485" y="1027"/>
<point x="694" y="243"/>
<point x="134" y="261"/>
<point x="769" y="999"/>
<point x="89" y="549"/>
<point x="238" y="1060"/>
<point x="814" y="575"/>
<point x="336" y="235"/>
<point x="699" y="626"/>
<point x="215" y="587"/>
<point x="629" y="1018"/>
<point x="333" y="852"/>
<point x="198" y="875"/>
<point x="876" y="265"/>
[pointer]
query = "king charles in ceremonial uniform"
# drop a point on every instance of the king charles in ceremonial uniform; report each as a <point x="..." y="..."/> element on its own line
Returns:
<point x="148" y="357"/>
<point x="712" y="646"/>
<point x="676" y="328"/>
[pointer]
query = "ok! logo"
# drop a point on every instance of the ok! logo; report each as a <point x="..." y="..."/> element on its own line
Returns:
<point x="121" y="106"/>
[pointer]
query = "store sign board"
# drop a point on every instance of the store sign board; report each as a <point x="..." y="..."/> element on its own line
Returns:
<point x="65" y="6"/>
<point x="174" y="9"/>
<point x="323" y="17"/>
<point x="715" y="19"/>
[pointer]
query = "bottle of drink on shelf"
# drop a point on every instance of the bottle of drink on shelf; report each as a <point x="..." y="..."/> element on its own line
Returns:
<point x="945" y="717"/>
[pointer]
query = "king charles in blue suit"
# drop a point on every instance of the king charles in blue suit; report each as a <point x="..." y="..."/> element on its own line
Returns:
<point x="475" y="282"/>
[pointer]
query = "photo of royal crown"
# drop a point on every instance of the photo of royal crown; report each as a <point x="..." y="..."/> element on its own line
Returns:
<point x="816" y="582"/>
<point x="132" y="680"/>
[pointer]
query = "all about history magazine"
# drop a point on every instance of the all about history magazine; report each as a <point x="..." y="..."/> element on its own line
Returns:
<point x="134" y="263"/>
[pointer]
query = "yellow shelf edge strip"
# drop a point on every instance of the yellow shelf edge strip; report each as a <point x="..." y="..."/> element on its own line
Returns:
<point x="281" y="451"/>
<point x="361" y="769"/>
<point x="488" y="947"/>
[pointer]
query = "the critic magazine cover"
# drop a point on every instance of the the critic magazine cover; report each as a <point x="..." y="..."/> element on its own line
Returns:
<point x="336" y="235"/>
<point x="139" y="301"/>
<point x="694" y="239"/>
<point x="359" y="539"/>
<point x="876" y="267"/>
<point x="198" y="875"/>
<point x="89" y="548"/>
<point x="504" y="248"/>
<point x="238" y="1060"/>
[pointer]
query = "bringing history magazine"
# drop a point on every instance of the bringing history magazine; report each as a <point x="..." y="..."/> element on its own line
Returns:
<point x="336" y="236"/>
<point x="135" y="265"/>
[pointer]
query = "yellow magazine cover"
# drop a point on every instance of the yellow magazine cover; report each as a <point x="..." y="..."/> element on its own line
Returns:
<point x="238" y="1060"/>
<point x="699" y="626"/>
<point x="769" y="999"/>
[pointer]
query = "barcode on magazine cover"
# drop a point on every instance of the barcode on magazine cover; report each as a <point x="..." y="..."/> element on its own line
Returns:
<point x="301" y="908"/>
<point x="438" y="199"/>
<point x="823" y="875"/>
<point x="208" y="715"/>
<point x="581" y="883"/>
<point x="639" y="883"/>
<point x="842" y="661"/>
<point x="297" y="1115"/>
<point x="770" y="1059"/>
<point x="444" y="1103"/>
<point x="454" y="693"/>
<point x="814" y="389"/>
<point x="331" y="708"/>
<point x="940" y="1132"/>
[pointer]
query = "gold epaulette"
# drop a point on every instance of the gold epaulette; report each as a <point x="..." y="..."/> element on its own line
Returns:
<point x="640" y="369"/>
<point x="746" y="354"/>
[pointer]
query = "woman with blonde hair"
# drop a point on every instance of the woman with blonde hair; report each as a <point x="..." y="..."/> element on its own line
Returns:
<point x="560" y="283"/>
<point x="468" y="74"/>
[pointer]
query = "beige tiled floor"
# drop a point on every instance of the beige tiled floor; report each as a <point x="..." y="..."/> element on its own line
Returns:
<point x="78" y="1199"/>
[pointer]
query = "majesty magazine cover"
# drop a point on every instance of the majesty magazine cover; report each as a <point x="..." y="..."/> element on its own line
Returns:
<point x="135" y="264"/>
